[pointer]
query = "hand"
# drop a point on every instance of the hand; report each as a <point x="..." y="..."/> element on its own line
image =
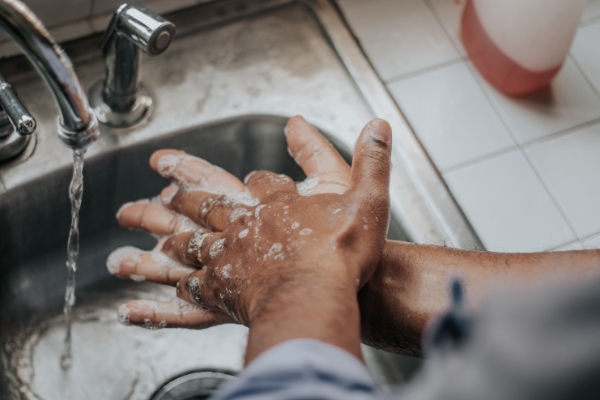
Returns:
<point x="347" y="234"/>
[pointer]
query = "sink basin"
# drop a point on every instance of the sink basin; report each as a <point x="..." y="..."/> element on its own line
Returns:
<point x="224" y="90"/>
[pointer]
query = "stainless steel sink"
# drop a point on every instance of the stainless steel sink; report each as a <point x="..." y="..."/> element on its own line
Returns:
<point x="224" y="91"/>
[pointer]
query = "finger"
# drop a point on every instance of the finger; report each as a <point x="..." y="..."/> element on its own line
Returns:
<point x="262" y="184"/>
<point x="371" y="166"/>
<point x="168" y="314"/>
<point x="317" y="157"/>
<point x="153" y="218"/>
<point x="188" y="170"/>
<point x="196" y="248"/>
<point x="211" y="210"/>
<point x="192" y="289"/>
<point x="138" y="265"/>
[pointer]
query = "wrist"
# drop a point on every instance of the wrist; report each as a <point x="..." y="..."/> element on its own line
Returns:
<point x="323" y="309"/>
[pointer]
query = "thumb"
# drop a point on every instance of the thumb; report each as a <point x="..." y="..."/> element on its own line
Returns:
<point x="371" y="163"/>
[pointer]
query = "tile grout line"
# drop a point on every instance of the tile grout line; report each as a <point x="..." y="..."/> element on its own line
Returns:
<point x="560" y="134"/>
<point x="443" y="26"/>
<point x="551" y="194"/>
<point x="523" y="146"/>
<point x="584" y="73"/>
<point x="422" y="71"/>
<point x="489" y="156"/>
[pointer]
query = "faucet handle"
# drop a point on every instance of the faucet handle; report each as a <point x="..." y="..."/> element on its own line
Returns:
<point x="121" y="100"/>
<point x="150" y="32"/>
<point x="13" y="112"/>
<point x="16" y="124"/>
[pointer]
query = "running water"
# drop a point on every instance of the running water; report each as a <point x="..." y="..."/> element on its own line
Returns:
<point x="75" y="193"/>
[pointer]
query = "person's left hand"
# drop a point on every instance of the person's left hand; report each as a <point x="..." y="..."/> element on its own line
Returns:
<point x="244" y="245"/>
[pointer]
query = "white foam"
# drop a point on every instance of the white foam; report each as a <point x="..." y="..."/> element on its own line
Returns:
<point x="186" y="225"/>
<point x="306" y="231"/>
<point x="183" y="305"/>
<point x="124" y="314"/>
<point x="275" y="249"/>
<point x="216" y="248"/>
<point x="295" y="225"/>
<point x="243" y="234"/>
<point x="194" y="288"/>
<point x="225" y="271"/>
<point x="239" y="212"/>
<point x="167" y="164"/>
<point x="257" y="210"/>
<point x="118" y="256"/>
<point x="195" y="244"/>
<point x="148" y="324"/>
<point x="306" y="187"/>
<point x="137" y="278"/>
<point x="337" y="210"/>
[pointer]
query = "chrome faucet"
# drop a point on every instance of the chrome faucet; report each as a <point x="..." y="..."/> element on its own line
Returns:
<point x="121" y="100"/>
<point x="77" y="125"/>
<point x="16" y="124"/>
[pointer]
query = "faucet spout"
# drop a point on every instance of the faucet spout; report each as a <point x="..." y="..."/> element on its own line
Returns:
<point x="77" y="125"/>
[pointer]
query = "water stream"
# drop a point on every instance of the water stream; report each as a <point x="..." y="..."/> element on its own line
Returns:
<point x="75" y="194"/>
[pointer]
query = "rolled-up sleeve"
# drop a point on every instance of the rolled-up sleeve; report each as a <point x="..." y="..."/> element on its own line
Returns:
<point x="303" y="369"/>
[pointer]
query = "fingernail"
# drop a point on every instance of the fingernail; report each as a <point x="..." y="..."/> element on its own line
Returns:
<point x="124" y="206"/>
<point x="121" y="256"/>
<point x="167" y="164"/>
<point x="379" y="131"/>
<point x="166" y="196"/>
<point x="124" y="315"/>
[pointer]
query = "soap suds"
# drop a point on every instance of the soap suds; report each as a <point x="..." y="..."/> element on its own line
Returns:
<point x="216" y="248"/>
<point x="148" y="324"/>
<point x="137" y="278"/>
<point x="167" y="164"/>
<point x="257" y="210"/>
<point x="124" y="315"/>
<point x="120" y="255"/>
<point x="295" y="225"/>
<point x="306" y="187"/>
<point x="237" y="213"/>
<point x="225" y="271"/>
<point x="243" y="234"/>
<point x="306" y="231"/>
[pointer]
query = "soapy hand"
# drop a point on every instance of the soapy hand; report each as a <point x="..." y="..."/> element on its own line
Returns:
<point x="236" y="248"/>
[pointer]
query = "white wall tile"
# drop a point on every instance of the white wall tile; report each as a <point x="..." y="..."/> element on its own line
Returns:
<point x="586" y="50"/>
<point x="569" y="101"/>
<point x="450" y="13"/>
<point x="451" y="115"/>
<point x="591" y="11"/>
<point x="592" y="243"/>
<point x="399" y="37"/>
<point x="508" y="205"/>
<point x="570" y="167"/>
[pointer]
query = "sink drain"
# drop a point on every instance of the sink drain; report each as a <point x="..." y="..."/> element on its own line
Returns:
<point x="198" y="385"/>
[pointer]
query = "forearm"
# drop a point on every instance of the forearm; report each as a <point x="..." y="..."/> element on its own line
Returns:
<point x="411" y="285"/>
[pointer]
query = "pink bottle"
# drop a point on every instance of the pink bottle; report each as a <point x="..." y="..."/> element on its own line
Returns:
<point x="519" y="45"/>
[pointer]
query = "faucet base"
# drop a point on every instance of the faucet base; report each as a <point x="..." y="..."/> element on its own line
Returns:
<point x="13" y="145"/>
<point x="140" y="111"/>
